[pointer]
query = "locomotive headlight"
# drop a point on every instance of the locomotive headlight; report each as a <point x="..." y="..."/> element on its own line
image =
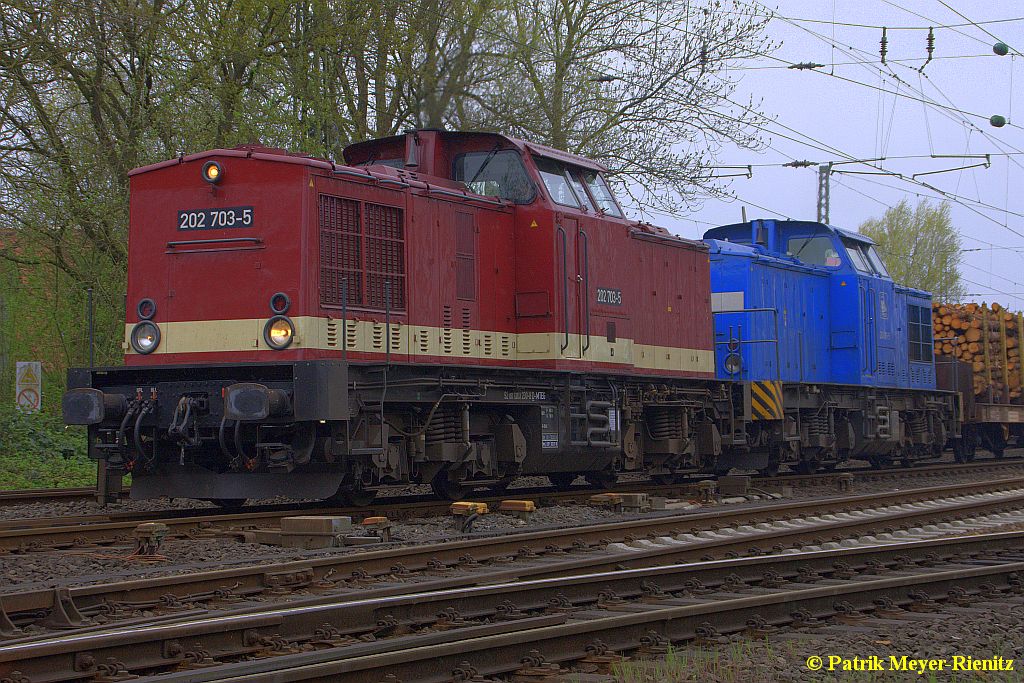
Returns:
<point x="733" y="363"/>
<point x="212" y="172"/>
<point x="279" y="332"/>
<point x="145" y="337"/>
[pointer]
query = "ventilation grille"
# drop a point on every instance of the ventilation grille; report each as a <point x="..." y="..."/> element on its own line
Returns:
<point x="362" y="254"/>
<point x="333" y="333"/>
<point x="341" y="252"/>
<point x="465" y="256"/>
<point x="467" y="334"/>
<point x="446" y="331"/>
<point x="385" y="257"/>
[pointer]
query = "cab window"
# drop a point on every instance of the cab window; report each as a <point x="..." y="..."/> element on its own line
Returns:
<point x="577" y="186"/>
<point x="814" y="251"/>
<point x="498" y="173"/>
<point x="601" y="193"/>
<point x="856" y="254"/>
<point x="556" y="182"/>
<point x="876" y="261"/>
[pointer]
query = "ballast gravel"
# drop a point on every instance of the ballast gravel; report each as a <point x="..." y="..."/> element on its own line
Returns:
<point x="984" y="632"/>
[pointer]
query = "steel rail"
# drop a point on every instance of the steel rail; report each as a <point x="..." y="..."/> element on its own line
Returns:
<point x="541" y="553"/>
<point x="116" y="527"/>
<point x="780" y="583"/>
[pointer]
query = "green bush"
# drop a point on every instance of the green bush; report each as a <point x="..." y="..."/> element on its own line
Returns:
<point x="37" y="452"/>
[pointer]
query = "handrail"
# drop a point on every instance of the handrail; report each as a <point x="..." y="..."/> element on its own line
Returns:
<point x="586" y="290"/>
<point x="219" y="240"/>
<point x="565" y="286"/>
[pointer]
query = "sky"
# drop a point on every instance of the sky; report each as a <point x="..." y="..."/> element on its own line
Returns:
<point x="866" y="120"/>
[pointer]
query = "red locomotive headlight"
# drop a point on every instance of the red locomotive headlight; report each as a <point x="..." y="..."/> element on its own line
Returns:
<point x="212" y="172"/>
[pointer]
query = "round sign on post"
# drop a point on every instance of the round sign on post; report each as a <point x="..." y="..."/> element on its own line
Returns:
<point x="28" y="400"/>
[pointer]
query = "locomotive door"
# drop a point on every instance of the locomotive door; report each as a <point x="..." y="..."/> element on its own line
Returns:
<point x="571" y="250"/>
<point x="869" y="299"/>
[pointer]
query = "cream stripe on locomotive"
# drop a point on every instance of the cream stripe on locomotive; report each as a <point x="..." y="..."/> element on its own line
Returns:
<point x="364" y="336"/>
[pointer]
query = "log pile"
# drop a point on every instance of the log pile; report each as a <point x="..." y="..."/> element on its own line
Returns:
<point x="988" y="338"/>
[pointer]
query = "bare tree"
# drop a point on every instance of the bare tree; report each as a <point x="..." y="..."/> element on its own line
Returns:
<point x="642" y="85"/>
<point x="920" y="247"/>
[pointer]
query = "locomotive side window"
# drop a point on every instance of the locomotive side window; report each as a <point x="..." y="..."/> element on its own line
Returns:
<point x="815" y="251"/>
<point x="601" y="193"/>
<point x="919" y="329"/>
<point x="555" y="180"/>
<point x="498" y="173"/>
<point x="876" y="261"/>
<point x="860" y="261"/>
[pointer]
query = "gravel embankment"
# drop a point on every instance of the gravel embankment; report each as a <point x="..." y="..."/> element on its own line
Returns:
<point x="984" y="631"/>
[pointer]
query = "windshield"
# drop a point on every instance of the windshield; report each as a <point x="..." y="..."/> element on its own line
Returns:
<point x="601" y="193"/>
<point x="815" y="251"/>
<point x="860" y="261"/>
<point x="876" y="261"/>
<point x="495" y="174"/>
<point x="554" y="177"/>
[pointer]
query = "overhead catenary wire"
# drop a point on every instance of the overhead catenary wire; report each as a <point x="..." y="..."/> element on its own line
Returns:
<point x="807" y="140"/>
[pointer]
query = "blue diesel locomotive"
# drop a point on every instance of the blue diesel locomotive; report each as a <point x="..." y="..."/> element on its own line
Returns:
<point x="835" y="358"/>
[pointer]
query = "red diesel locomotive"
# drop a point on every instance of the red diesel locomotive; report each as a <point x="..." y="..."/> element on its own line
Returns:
<point x="448" y="308"/>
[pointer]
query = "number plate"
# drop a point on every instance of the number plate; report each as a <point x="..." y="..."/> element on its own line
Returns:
<point x="609" y="297"/>
<point x="216" y="219"/>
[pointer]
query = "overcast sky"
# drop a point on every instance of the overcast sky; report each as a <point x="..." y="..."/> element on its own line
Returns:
<point x="862" y="122"/>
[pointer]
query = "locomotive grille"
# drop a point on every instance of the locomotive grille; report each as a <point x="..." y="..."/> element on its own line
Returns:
<point x="362" y="254"/>
<point x="341" y="253"/>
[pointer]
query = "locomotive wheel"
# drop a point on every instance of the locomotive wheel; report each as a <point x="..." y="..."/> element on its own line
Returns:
<point x="604" y="480"/>
<point x="501" y="485"/>
<point x="562" y="480"/>
<point x="807" y="467"/>
<point x="355" y="496"/>
<point x="227" y="502"/>
<point x="447" y="489"/>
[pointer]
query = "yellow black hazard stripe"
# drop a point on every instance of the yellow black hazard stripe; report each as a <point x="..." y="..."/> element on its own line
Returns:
<point x="766" y="400"/>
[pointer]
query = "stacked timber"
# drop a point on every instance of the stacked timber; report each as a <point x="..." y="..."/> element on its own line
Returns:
<point x="988" y="338"/>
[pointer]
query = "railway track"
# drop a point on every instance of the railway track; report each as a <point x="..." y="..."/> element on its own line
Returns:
<point x="443" y="633"/>
<point x="116" y="527"/>
<point x="635" y="543"/>
<point x="23" y="496"/>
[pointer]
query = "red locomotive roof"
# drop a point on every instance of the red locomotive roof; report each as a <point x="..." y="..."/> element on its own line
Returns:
<point x="531" y="147"/>
<point x="277" y="154"/>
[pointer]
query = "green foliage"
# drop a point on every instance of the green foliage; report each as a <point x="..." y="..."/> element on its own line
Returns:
<point x="920" y="247"/>
<point x="37" y="452"/>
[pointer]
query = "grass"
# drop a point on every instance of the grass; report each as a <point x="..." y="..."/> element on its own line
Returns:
<point x="37" y="452"/>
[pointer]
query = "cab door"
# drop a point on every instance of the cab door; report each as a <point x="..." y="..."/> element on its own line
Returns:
<point x="869" y="308"/>
<point x="571" y="253"/>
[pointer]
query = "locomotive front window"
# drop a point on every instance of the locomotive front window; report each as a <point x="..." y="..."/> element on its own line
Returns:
<point x="814" y="251"/>
<point x="495" y="174"/>
<point x="601" y="193"/>
<point x="860" y="261"/>
<point x="876" y="261"/>
<point x="555" y="180"/>
<point x="577" y="185"/>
